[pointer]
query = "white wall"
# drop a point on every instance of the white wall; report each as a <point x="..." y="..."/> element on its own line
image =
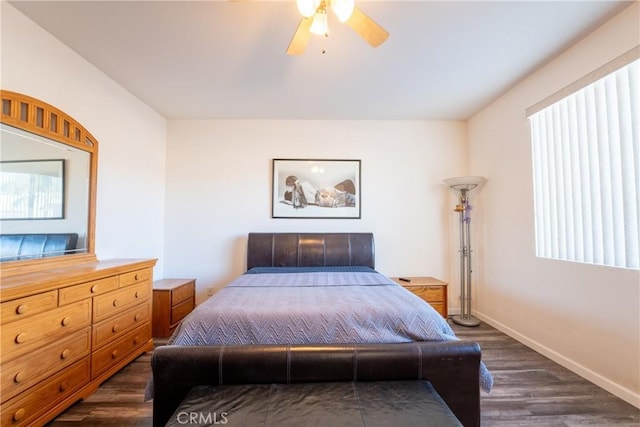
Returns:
<point x="219" y="189"/>
<point x="131" y="136"/>
<point x="585" y="317"/>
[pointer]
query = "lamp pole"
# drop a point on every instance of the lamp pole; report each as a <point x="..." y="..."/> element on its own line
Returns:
<point x="463" y="186"/>
<point x="465" y="318"/>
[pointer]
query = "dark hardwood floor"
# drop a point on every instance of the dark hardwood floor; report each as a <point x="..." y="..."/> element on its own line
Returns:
<point x="529" y="390"/>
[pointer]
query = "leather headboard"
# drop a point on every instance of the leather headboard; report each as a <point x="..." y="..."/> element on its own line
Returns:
<point x="310" y="249"/>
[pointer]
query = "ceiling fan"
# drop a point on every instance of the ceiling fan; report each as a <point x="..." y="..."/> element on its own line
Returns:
<point x="315" y="21"/>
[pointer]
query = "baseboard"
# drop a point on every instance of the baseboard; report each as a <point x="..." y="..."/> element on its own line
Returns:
<point x="623" y="393"/>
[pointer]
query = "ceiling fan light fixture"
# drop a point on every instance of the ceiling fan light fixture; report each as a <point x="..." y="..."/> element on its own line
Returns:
<point x="320" y="24"/>
<point x="343" y="9"/>
<point x="315" y="21"/>
<point x="307" y="8"/>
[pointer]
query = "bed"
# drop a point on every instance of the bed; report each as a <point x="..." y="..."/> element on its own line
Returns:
<point x="315" y="289"/>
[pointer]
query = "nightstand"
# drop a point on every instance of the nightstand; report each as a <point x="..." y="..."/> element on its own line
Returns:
<point x="173" y="299"/>
<point x="431" y="290"/>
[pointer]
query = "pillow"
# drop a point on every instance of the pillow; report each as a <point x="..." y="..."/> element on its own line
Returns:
<point x="315" y="269"/>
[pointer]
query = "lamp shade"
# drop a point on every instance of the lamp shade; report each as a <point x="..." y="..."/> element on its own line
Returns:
<point x="307" y="8"/>
<point x="319" y="25"/>
<point x="465" y="183"/>
<point x="343" y="9"/>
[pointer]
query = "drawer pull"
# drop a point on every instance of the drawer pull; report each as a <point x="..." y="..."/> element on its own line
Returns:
<point x="63" y="386"/>
<point x="21" y="337"/>
<point x="115" y="354"/>
<point x="136" y="340"/>
<point x="21" y="309"/>
<point x="114" y="329"/>
<point x="19" y="377"/>
<point x="137" y="294"/>
<point x="115" y="302"/>
<point x="136" y="276"/>
<point x="65" y="353"/>
<point x="66" y="321"/>
<point x="94" y="289"/>
<point x="136" y="317"/>
<point x="18" y="415"/>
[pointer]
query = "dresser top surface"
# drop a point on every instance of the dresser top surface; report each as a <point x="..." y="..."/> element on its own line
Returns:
<point x="41" y="281"/>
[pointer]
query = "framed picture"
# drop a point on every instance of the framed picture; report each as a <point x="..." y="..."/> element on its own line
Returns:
<point x="32" y="189"/>
<point x="316" y="188"/>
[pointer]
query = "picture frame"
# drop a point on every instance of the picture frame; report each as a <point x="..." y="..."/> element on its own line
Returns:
<point x="32" y="189"/>
<point x="316" y="188"/>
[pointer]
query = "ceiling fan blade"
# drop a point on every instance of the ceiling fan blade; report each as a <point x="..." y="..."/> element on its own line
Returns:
<point x="367" y="28"/>
<point x="301" y="38"/>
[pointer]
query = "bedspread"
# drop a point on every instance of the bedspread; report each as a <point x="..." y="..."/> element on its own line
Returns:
<point x="318" y="308"/>
<point x="314" y="308"/>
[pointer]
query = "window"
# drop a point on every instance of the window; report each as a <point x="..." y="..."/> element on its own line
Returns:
<point x="586" y="162"/>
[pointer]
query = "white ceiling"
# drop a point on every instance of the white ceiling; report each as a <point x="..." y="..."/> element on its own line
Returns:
<point x="225" y="59"/>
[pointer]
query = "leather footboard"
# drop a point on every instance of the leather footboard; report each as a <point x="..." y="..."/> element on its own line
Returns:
<point x="452" y="368"/>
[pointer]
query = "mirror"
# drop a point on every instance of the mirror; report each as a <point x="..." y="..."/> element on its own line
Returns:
<point x="48" y="165"/>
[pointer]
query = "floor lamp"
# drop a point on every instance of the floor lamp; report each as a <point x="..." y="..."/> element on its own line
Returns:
<point x="463" y="186"/>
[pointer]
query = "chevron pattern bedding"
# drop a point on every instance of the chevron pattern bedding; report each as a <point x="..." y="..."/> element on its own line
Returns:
<point x="314" y="307"/>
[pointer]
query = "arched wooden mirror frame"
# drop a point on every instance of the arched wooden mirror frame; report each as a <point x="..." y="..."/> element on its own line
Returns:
<point x="37" y="117"/>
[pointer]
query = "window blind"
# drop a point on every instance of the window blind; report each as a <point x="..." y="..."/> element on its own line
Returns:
<point x="586" y="162"/>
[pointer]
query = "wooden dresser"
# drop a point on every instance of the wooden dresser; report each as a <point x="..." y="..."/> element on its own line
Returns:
<point x="431" y="290"/>
<point x="173" y="299"/>
<point x="65" y="330"/>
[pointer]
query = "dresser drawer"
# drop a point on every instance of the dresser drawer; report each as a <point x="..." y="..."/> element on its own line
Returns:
<point x="181" y="310"/>
<point x="183" y="293"/>
<point x="28" y="306"/>
<point x="429" y="293"/>
<point x="88" y="289"/>
<point x="116" y="301"/>
<point x="22" y="373"/>
<point x="116" y="326"/>
<point x="134" y="277"/>
<point x="26" y="407"/>
<point x="116" y="351"/>
<point x="26" y="335"/>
